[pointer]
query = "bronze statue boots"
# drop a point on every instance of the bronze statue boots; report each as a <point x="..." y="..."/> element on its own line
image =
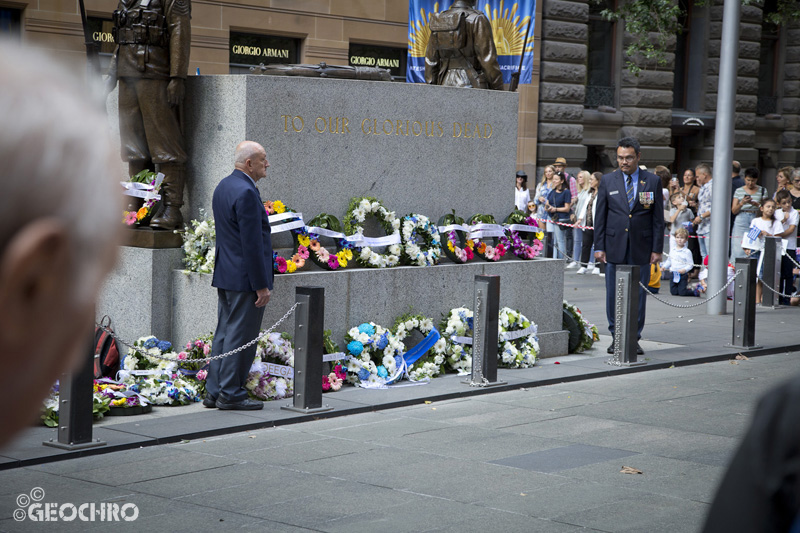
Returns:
<point x="170" y="217"/>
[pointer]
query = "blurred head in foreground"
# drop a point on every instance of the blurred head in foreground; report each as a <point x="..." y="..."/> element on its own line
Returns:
<point x="60" y="223"/>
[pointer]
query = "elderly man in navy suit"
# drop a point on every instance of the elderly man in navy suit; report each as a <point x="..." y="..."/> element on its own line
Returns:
<point x="242" y="276"/>
<point x="629" y="224"/>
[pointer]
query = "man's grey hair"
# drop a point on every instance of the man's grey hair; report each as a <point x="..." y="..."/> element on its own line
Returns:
<point x="57" y="159"/>
<point x="246" y="150"/>
<point x="796" y="174"/>
<point x="704" y="168"/>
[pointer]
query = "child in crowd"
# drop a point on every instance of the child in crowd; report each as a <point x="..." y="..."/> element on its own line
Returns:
<point x="788" y="217"/>
<point x="753" y="243"/>
<point x="679" y="216"/>
<point x="702" y="286"/>
<point x="680" y="263"/>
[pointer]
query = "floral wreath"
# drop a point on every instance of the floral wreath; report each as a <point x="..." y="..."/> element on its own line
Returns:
<point x="589" y="333"/>
<point x="416" y="226"/>
<point x="520" y="352"/>
<point x="321" y="256"/>
<point x="375" y="356"/>
<point x="459" y="249"/>
<point x="163" y="383"/>
<point x="431" y="364"/>
<point x="275" y="348"/>
<point x="516" y="243"/>
<point x="357" y="212"/>
<point x="280" y="265"/>
<point x="458" y="323"/>
<point x="333" y="381"/>
<point x="101" y="404"/>
<point x="199" y="245"/>
<point x="487" y="252"/>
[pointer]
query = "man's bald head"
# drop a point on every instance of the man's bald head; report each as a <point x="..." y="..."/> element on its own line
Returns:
<point x="247" y="150"/>
<point x="251" y="158"/>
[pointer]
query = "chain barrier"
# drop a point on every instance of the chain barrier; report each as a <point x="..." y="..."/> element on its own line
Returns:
<point x="260" y="336"/>
<point x="764" y="283"/>
<point x="698" y="304"/>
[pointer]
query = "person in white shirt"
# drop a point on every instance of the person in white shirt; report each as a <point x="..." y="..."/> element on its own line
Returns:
<point x="521" y="193"/>
<point x="788" y="217"/>
<point x="680" y="262"/>
<point x="766" y="226"/>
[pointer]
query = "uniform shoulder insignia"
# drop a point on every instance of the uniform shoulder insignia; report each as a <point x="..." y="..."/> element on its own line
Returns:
<point x="182" y="7"/>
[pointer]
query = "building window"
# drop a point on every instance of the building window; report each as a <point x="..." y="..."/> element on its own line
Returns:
<point x="252" y="49"/>
<point x="100" y="30"/>
<point x="767" y="103"/>
<point x="600" y="90"/>
<point x="368" y="55"/>
<point x="10" y="22"/>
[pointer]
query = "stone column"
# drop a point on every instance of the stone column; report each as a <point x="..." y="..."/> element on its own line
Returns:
<point x="790" y="109"/>
<point x="646" y="105"/>
<point x="563" y="79"/>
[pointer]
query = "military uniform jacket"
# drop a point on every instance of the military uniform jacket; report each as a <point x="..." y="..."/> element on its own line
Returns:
<point x="153" y="39"/>
<point x="477" y="58"/>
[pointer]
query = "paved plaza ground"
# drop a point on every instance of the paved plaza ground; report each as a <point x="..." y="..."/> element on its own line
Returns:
<point x="544" y="453"/>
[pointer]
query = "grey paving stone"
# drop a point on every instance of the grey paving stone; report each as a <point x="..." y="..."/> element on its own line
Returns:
<point x="109" y="460"/>
<point x="299" y="453"/>
<point x="388" y="428"/>
<point x="563" y="458"/>
<point x="567" y="427"/>
<point x="262" y="439"/>
<point x="203" y="481"/>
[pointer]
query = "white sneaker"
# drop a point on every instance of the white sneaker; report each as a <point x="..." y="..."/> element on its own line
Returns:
<point x="596" y="270"/>
<point x="581" y="270"/>
<point x="572" y="264"/>
<point x="602" y="275"/>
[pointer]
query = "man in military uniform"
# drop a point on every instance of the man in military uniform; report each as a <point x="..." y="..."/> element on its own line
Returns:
<point x="461" y="51"/>
<point x="152" y="57"/>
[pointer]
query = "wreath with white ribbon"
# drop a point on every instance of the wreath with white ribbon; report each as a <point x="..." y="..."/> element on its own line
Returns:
<point x="518" y="345"/>
<point x="484" y="229"/>
<point x="522" y="235"/>
<point x="375" y="356"/>
<point x="421" y="364"/>
<point x="589" y="333"/>
<point x="357" y="212"/>
<point x="283" y="218"/>
<point x="416" y="227"/>
<point x="458" y="248"/>
<point x="325" y="225"/>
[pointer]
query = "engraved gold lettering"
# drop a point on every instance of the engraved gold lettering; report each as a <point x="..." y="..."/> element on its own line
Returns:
<point x="399" y="130"/>
<point x="456" y="127"/>
<point x="285" y="123"/>
<point x="391" y="126"/>
<point x="414" y="128"/>
<point x="487" y="135"/>
<point x="429" y="132"/>
<point x="345" y="125"/>
<point x="368" y="130"/>
<point x="440" y="128"/>
<point x="375" y="127"/>
<point x="294" y="122"/>
<point x="316" y="125"/>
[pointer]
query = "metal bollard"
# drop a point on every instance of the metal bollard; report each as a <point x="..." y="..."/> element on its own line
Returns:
<point x="75" y="398"/>
<point x="771" y="268"/>
<point x="308" y="348"/>
<point x="626" y="324"/>
<point x="484" y="332"/>
<point x="744" y="305"/>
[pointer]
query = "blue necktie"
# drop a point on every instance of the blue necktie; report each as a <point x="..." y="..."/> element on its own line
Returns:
<point x="629" y="190"/>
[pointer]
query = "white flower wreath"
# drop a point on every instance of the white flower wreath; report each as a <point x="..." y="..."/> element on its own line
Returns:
<point x="431" y="364"/>
<point x="427" y="254"/>
<point x="518" y="352"/>
<point x="458" y="323"/>
<point x="357" y="213"/>
<point x="374" y="356"/>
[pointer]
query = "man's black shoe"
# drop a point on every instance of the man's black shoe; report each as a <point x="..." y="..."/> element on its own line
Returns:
<point x="208" y="401"/>
<point x="244" y="405"/>
<point x="639" y="350"/>
<point x="610" y="350"/>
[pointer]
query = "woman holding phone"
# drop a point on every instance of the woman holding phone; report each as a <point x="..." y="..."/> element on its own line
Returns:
<point x="745" y="204"/>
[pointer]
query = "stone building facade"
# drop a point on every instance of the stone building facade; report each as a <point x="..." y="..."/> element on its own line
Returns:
<point x="588" y="99"/>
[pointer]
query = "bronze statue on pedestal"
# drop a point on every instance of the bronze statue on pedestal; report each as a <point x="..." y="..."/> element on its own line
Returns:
<point x="461" y="51"/>
<point x="153" y="41"/>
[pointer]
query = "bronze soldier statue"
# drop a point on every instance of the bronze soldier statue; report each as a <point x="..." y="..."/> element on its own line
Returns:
<point x="152" y="57"/>
<point x="461" y="51"/>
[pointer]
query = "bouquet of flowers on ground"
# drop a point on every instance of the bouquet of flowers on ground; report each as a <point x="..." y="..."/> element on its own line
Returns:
<point x="431" y="364"/>
<point x="518" y="344"/>
<point x="189" y="360"/>
<point x="199" y="245"/>
<point x="589" y="333"/>
<point x="334" y="380"/>
<point x="100" y="405"/>
<point x="376" y="356"/>
<point x="458" y="323"/>
<point x="159" y="381"/>
<point x="272" y="372"/>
